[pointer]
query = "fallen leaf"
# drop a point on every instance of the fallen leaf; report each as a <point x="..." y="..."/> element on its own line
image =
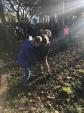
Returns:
<point x="50" y="97"/>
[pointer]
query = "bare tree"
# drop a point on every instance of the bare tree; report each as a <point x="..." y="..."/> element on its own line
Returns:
<point x="19" y="7"/>
<point x="24" y="9"/>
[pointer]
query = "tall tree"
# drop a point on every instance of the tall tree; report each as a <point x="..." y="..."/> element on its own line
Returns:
<point x="5" y="35"/>
<point x="20" y="7"/>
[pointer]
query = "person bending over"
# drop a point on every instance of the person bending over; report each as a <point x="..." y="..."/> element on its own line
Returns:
<point x="42" y="54"/>
<point x="27" y="55"/>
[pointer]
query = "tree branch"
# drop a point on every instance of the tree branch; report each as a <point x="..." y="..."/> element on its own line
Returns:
<point x="12" y="6"/>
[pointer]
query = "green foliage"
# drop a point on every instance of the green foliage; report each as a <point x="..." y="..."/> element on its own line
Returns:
<point x="81" y="71"/>
<point x="67" y="90"/>
<point x="79" y="109"/>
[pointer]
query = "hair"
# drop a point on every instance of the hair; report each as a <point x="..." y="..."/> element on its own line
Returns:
<point x="38" y="39"/>
<point x="47" y="32"/>
<point x="65" y="26"/>
<point x="45" y="39"/>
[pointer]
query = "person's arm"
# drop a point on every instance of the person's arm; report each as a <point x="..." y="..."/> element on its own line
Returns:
<point x="22" y="58"/>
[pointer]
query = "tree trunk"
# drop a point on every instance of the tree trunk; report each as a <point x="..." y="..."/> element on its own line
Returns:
<point x="5" y="35"/>
<point x="18" y="12"/>
<point x="18" y="16"/>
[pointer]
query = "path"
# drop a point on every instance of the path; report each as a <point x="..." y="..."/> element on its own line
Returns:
<point x="3" y="87"/>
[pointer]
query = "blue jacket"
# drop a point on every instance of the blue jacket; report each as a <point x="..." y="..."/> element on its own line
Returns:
<point x="27" y="55"/>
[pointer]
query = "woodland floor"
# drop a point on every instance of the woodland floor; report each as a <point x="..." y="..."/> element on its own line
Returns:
<point x="62" y="92"/>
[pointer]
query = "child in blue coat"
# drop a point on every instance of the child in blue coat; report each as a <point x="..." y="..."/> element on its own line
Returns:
<point x="27" y="55"/>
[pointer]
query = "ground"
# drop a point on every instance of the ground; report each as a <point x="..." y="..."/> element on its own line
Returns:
<point x="62" y="92"/>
